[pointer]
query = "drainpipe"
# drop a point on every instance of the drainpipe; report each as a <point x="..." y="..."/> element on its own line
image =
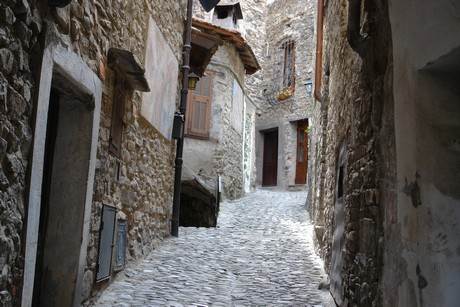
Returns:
<point x="355" y="39"/>
<point x="182" y="109"/>
<point x="319" y="49"/>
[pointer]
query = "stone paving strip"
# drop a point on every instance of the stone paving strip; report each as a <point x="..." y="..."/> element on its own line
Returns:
<point x="260" y="254"/>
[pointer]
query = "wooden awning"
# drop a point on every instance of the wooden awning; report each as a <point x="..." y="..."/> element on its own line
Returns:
<point x="205" y="34"/>
<point x="125" y="63"/>
<point x="203" y="48"/>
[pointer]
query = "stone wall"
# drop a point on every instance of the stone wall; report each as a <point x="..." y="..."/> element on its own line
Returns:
<point x="200" y="13"/>
<point x="142" y="193"/>
<point x="20" y="26"/>
<point x="285" y="22"/>
<point x="253" y="25"/>
<point x="353" y="116"/>
<point x="252" y="28"/>
<point x="249" y="160"/>
<point x="294" y="22"/>
<point x="230" y="163"/>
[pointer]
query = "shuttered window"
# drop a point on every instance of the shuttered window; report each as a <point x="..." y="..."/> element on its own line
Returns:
<point x="199" y="108"/>
<point x="116" y="127"/>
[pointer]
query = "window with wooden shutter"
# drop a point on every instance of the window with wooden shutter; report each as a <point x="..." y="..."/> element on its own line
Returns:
<point x="118" y="109"/>
<point x="199" y="108"/>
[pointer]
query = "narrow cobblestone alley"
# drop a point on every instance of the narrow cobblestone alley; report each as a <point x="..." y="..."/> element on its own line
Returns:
<point x="261" y="254"/>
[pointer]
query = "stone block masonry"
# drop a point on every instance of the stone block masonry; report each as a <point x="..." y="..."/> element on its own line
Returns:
<point x="254" y="25"/>
<point x="349" y="136"/>
<point x="224" y="147"/>
<point x="139" y="185"/>
<point x="20" y="26"/>
<point x="294" y="23"/>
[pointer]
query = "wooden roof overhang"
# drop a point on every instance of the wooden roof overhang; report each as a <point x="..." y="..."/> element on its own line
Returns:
<point x="125" y="63"/>
<point x="203" y="48"/>
<point x="220" y="35"/>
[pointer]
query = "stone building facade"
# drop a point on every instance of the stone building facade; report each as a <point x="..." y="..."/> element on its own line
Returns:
<point x="252" y="29"/>
<point x="221" y="154"/>
<point x="225" y="150"/>
<point x="57" y="75"/>
<point x="287" y="66"/>
<point x="353" y="137"/>
<point x="382" y="201"/>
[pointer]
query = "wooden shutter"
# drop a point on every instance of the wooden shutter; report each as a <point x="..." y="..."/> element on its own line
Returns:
<point x="302" y="153"/>
<point x="199" y="108"/>
<point x="118" y="110"/>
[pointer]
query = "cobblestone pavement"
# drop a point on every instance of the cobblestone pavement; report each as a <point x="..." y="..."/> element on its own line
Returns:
<point x="261" y="254"/>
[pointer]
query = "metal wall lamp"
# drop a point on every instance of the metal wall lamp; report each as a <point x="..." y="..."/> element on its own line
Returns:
<point x="309" y="86"/>
<point x="192" y="80"/>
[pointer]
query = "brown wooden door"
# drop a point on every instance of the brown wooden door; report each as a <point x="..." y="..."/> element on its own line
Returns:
<point x="270" y="163"/>
<point x="302" y="153"/>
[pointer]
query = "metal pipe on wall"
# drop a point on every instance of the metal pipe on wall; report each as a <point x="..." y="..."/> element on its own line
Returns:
<point x="207" y="5"/>
<point x="182" y="109"/>
<point x="319" y="49"/>
<point x="354" y="37"/>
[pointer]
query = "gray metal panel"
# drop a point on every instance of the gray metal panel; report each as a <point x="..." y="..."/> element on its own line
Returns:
<point x="122" y="229"/>
<point x="106" y="242"/>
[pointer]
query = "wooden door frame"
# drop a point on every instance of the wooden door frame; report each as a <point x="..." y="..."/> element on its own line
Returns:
<point x="301" y="124"/>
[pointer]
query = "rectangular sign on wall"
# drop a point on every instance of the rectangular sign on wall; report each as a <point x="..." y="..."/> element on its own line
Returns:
<point x="161" y="71"/>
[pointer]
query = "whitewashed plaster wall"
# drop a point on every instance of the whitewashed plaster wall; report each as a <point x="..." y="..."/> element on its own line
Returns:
<point x="426" y="42"/>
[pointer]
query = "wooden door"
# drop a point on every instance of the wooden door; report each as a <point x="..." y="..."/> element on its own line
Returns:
<point x="270" y="162"/>
<point x="302" y="153"/>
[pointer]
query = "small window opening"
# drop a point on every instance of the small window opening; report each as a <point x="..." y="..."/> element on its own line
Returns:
<point x="222" y="13"/>
<point x="117" y="170"/>
<point x="117" y="121"/>
<point x="340" y="183"/>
